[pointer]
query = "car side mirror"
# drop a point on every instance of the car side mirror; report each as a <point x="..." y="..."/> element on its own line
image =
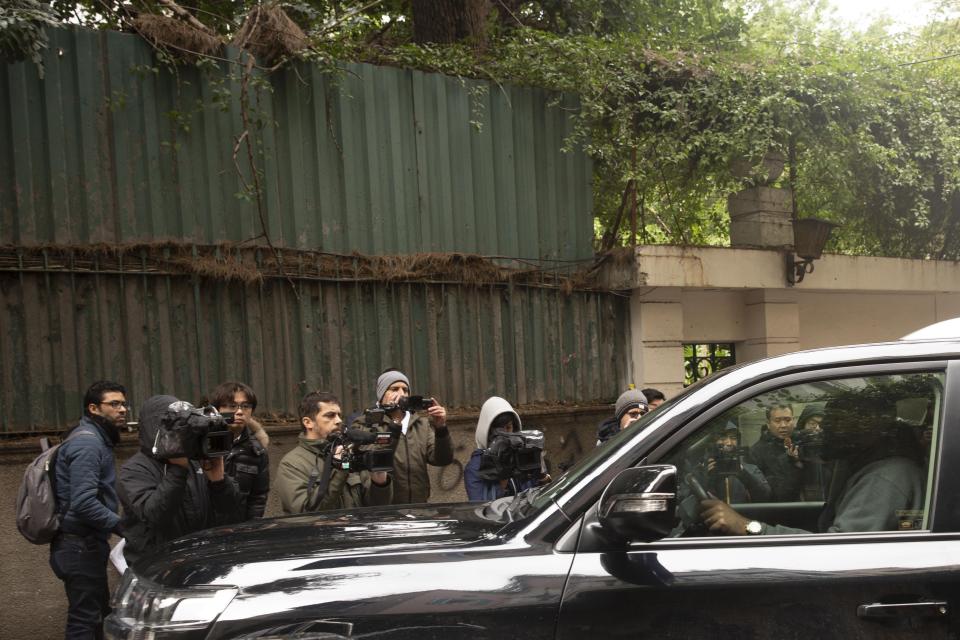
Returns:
<point x="640" y="503"/>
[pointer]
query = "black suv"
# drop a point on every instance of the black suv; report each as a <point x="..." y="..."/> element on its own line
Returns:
<point x="806" y="495"/>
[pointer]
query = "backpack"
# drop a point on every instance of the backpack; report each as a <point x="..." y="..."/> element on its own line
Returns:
<point x="38" y="515"/>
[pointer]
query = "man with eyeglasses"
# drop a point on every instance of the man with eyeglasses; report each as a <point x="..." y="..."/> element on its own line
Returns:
<point x="776" y="455"/>
<point x="87" y="496"/>
<point x="248" y="463"/>
<point x="630" y="406"/>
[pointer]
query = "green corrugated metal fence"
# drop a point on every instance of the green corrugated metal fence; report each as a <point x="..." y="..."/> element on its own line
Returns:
<point x="110" y="148"/>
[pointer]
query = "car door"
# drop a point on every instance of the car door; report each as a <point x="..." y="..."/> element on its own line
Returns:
<point x="901" y="582"/>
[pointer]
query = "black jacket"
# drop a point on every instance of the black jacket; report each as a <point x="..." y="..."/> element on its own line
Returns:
<point x="780" y="470"/>
<point x="249" y="465"/>
<point x="164" y="501"/>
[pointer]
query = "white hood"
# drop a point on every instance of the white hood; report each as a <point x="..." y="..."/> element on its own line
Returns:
<point x="493" y="407"/>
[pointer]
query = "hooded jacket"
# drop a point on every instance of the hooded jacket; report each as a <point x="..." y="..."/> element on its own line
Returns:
<point x="86" y="480"/>
<point x="299" y="494"/>
<point x="163" y="501"/>
<point x="477" y="488"/>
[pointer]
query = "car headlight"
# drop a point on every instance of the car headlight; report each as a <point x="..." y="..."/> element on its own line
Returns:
<point x="142" y="608"/>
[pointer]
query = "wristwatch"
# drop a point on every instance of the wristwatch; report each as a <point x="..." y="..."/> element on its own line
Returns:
<point x="754" y="528"/>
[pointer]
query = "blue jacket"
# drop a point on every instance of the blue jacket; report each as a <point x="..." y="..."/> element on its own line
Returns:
<point x="86" y="481"/>
<point x="479" y="490"/>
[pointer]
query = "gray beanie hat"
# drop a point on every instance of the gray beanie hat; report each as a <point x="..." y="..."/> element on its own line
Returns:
<point x="628" y="400"/>
<point x="386" y="379"/>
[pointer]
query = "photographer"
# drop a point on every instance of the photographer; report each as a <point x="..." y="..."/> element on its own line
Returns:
<point x="496" y="417"/>
<point x="722" y="473"/>
<point x="421" y="436"/>
<point x="165" y="498"/>
<point x="307" y="479"/>
<point x="630" y="407"/>
<point x="248" y="462"/>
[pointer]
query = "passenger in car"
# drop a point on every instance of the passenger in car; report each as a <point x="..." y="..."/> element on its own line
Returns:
<point x="878" y="478"/>
<point x="776" y="455"/>
<point x="307" y="479"/>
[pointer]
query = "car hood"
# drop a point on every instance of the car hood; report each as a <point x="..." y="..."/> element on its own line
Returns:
<point x="254" y="552"/>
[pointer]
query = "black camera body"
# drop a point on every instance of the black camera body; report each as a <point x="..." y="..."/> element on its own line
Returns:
<point x="513" y="455"/>
<point x="415" y="404"/>
<point x="188" y="432"/>
<point x="728" y="461"/>
<point x="364" y="449"/>
<point x="809" y="445"/>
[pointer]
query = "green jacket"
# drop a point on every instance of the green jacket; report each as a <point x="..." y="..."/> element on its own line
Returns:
<point x="345" y="491"/>
<point x="420" y="446"/>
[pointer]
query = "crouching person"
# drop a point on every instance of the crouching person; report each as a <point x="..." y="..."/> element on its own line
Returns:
<point x="494" y="474"/>
<point x="164" y="498"/>
<point x="308" y="478"/>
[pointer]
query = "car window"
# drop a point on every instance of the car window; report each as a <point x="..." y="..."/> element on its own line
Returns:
<point x="825" y="456"/>
<point x="611" y="448"/>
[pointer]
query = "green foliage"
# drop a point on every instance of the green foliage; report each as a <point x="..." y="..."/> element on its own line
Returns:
<point x="21" y="31"/>
<point x="672" y="91"/>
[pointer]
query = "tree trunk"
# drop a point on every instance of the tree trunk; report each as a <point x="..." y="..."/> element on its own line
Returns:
<point x="449" y="21"/>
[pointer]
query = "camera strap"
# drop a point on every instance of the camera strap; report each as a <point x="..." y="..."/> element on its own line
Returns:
<point x="323" y="477"/>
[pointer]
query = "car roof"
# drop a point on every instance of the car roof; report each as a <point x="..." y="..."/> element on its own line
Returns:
<point x="945" y="330"/>
<point x="849" y="355"/>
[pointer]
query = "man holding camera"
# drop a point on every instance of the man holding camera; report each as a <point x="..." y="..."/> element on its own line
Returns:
<point x="483" y="477"/>
<point x="776" y="455"/>
<point x="630" y="407"/>
<point x="247" y="463"/>
<point x="164" y="498"/>
<point x="86" y="476"/>
<point x="421" y="438"/>
<point x="309" y="478"/>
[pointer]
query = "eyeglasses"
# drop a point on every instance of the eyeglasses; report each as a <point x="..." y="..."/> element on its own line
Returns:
<point x="116" y="404"/>
<point x="246" y="406"/>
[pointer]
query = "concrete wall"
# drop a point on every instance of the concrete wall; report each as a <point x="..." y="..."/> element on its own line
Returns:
<point x="708" y="294"/>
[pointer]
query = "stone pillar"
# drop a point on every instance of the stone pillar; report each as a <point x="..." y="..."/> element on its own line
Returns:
<point x="761" y="217"/>
<point x="772" y="324"/>
<point x="656" y="329"/>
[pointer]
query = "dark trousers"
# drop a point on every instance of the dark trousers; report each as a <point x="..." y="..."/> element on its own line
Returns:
<point x="81" y="562"/>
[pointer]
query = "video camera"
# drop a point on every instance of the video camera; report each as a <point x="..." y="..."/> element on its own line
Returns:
<point x="363" y="450"/>
<point x="189" y="432"/>
<point x="513" y="455"/>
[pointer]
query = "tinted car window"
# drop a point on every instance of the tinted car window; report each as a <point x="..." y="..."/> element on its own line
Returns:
<point x="824" y="456"/>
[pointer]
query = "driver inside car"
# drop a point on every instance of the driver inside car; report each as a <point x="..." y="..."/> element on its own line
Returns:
<point x="877" y="475"/>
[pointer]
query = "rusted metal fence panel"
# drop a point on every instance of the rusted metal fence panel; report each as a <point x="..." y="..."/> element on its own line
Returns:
<point x="180" y="335"/>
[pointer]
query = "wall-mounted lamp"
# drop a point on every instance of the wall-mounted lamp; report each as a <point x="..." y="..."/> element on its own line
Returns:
<point x="810" y="236"/>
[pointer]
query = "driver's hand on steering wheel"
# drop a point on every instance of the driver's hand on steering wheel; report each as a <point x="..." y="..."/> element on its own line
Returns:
<point x="721" y="519"/>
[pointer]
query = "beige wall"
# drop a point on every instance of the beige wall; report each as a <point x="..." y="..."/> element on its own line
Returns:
<point x="697" y="294"/>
